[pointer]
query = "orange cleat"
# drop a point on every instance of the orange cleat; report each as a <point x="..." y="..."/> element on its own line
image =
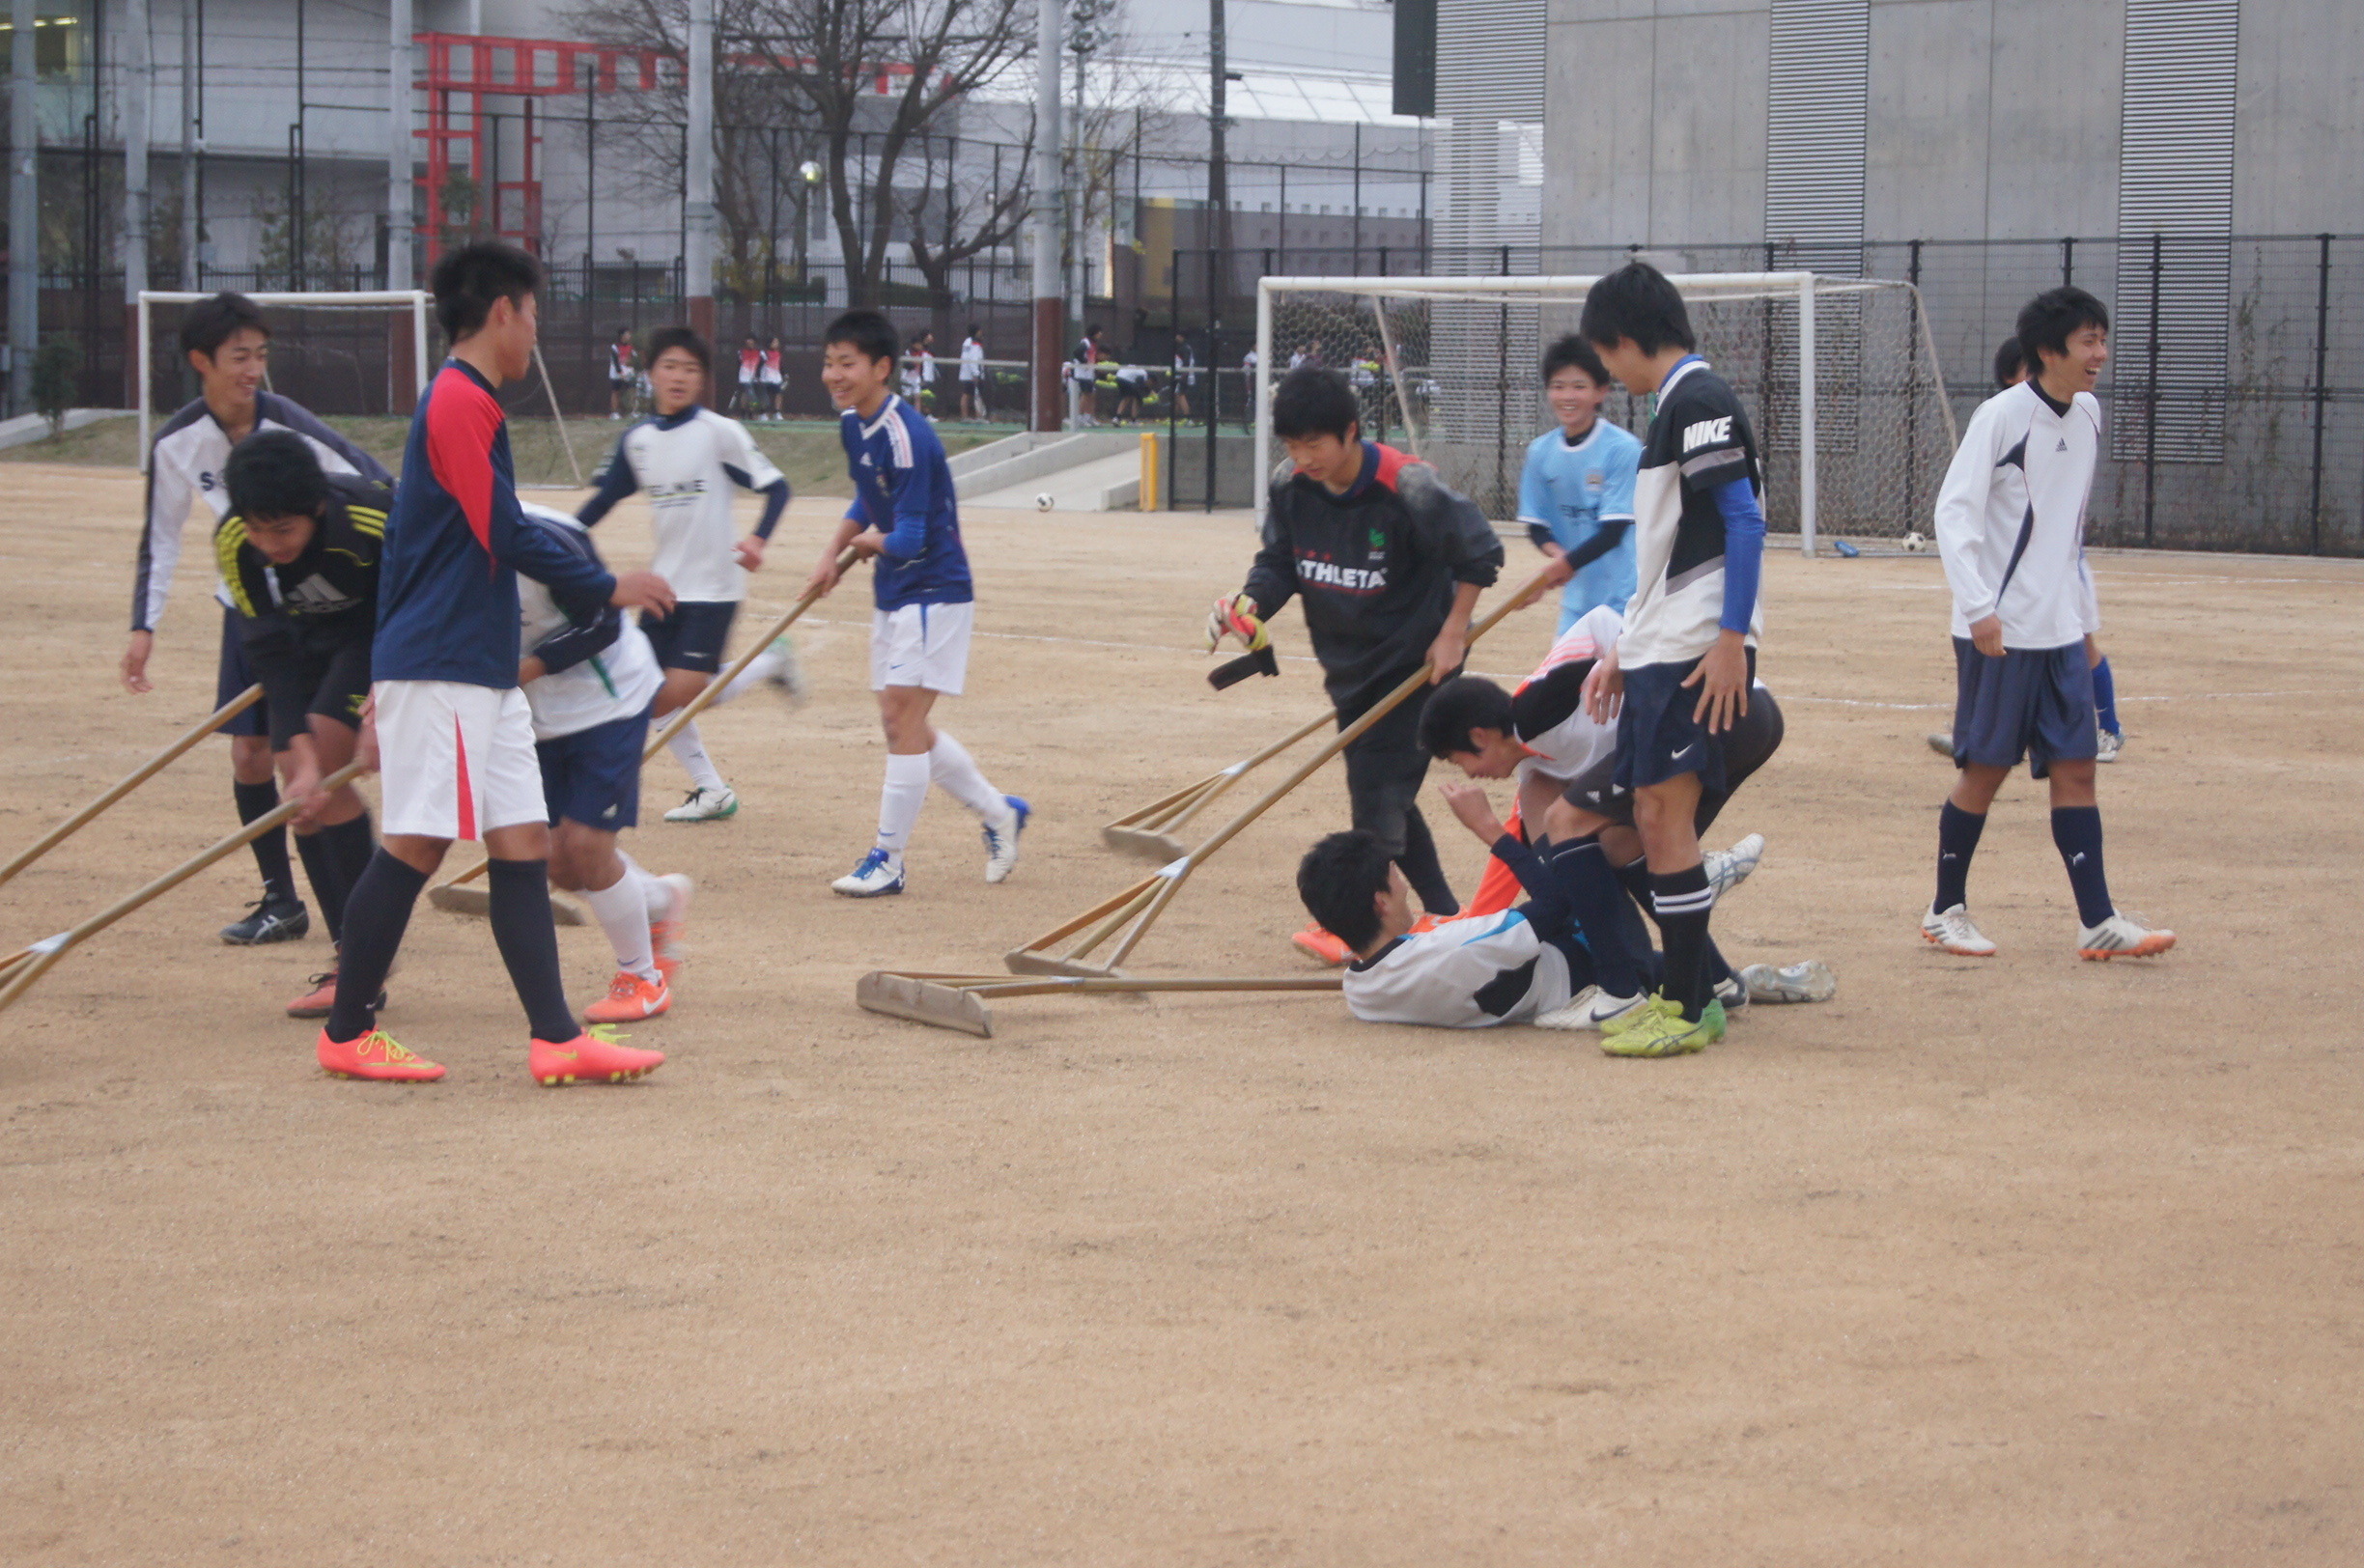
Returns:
<point x="375" y="1056"/>
<point x="1316" y="943"/>
<point x="629" y="1000"/>
<point x="588" y="1059"/>
<point x="665" y="935"/>
<point x="320" y="999"/>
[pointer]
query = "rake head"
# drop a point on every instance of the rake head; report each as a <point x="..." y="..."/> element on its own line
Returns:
<point x="474" y="898"/>
<point x="923" y="1001"/>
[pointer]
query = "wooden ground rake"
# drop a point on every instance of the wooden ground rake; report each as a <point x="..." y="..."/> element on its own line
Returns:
<point x="461" y="895"/>
<point x="956" y="1002"/>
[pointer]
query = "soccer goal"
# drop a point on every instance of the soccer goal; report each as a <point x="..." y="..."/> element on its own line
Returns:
<point x="1840" y="375"/>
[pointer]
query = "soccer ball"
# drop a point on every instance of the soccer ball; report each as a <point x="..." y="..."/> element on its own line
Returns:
<point x="1915" y="543"/>
<point x="1042" y="502"/>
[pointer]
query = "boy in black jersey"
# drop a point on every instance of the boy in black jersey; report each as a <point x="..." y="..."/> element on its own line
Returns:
<point x="1679" y="678"/>
<point x="298" y="552"/>
<point x="1389" y="563"/>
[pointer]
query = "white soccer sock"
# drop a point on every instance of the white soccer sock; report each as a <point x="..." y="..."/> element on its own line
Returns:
<point x="689" y="750"/>
<point x="622" y="911"/>
<point x="655" y="894"/>
<point x="900" y="800"/>
<point x="955" y="771"/>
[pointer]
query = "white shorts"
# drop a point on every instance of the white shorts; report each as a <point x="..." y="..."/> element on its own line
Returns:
<point x="456" y="760"/>
<point x="921" y="645"/>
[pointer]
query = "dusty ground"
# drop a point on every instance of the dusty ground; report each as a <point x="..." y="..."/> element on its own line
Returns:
<point x="2026" y="1260"/>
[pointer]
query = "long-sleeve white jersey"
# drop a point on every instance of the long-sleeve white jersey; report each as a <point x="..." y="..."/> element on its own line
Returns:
<point x="617" y="681"/>
<point x="186" y="465"/>
<point x="687" y="463"/>
<point x="1464" y="974"/>
<point x="2011" y="518"/>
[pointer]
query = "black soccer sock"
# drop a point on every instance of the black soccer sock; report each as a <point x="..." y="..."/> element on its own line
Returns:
<point x="1636" y="876"/>
<point x="529" y="945"/>
<point x="349" y="845"/>
<point x="2078" y="831"/>
<point x="377" y="912"/>
<point x="271" y="851"/>
<point x="1422" y="870"/>
<point x="1684" y="898"/>
<point x="1957" y="839"/>
<point x="327" y="889"/>
<point x="1583" y="873"/>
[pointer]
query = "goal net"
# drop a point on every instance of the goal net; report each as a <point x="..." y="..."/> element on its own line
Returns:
<point x="1839" y="377"/>
<point x="359" y="360"/>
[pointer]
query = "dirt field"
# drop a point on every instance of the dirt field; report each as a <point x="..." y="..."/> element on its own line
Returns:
<point x="2024" y="1261"/>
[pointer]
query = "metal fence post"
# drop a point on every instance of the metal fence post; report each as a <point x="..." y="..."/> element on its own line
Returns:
<point x="2150" y="393"/>
<point x="2068" y="260"/>
<point x="1501" y="395"/>
<point x="1216" y="257"/>
<point x="2322" y="345"/>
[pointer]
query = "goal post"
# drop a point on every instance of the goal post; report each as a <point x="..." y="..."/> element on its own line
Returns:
<point x="1839" y="374"/>
<point x="414" y="300"/>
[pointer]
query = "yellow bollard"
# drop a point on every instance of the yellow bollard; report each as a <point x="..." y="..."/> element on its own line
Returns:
<point x="1150" y="500"/>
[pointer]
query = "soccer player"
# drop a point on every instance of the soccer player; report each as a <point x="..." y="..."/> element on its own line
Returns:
<point x="1084" y="384"/>
<point x="769" y="377"/>
<point x="751" y="374"/>
<point x="589" y="687"/>
<point x="2011" y="528"/>
<point x="1134" y="391"/>
<point x="906" y="519"/>
<point x="1576" y="490"/>
<point x="1185" y="379"/>
<point x="973" y="374"/>
<point x="1389" y="562"/>
<point x="687" y="458"/>
<point x="1679" y="678"/>
<point x="227" y="343"/>
<point x="623" y="364"/>
<point x="299" y="551"/>
<point x="452" y="733"/>
<point x="2010" y="370"/>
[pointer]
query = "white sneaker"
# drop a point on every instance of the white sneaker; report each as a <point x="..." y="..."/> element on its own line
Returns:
<point x="2122" y="937"/>
<point x="2111" y="745"/>
<point x="1951" y="931"/>
<point x="1728" y="869"/>
<point x="1941" y="742"/>
<point x="1809" y="982"/>
<point x="1002" y="840"/>
<point x="879" y="872"/>
<point x="1591" y="1008"/>
<point x="705" y="805"/>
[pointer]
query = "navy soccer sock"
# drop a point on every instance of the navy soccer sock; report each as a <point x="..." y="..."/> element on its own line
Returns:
<point x="1957" y="840"/>
<point x="1422" y="869"/>
<point x="1583" y="873"/>
<point x="1636" y="876"/>
<point x="271" y="851"/>
<point x="1684" y="898"/>
<point x="2078" y="831"/>
<point x="312" y="848"/>
<point x="528" y="945"/>
<point x="2105" y="697"/>
<point x="377" y="913"/>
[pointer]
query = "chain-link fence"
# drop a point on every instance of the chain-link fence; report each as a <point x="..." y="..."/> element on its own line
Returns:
<point x="2234" y="401"/>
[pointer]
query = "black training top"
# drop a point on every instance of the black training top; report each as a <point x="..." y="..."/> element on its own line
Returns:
<point x="1377" y="567"/>
<point x="327" y="593"/>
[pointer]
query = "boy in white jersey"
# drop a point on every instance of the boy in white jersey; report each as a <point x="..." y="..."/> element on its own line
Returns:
<point x="2011" y="526"/>
<point x="687" y="458"/>
<point x="973" y="374"/>
<point x="1576" y="489"/>
<point x="589" y="687"/>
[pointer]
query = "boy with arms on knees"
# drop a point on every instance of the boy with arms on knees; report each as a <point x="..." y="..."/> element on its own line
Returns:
<point x="1679" y="679"/>
<point x="453" y="735"/>
<point x="589" y="687"/>
<point x="906" y="520"/>
<point x="226" y="341"/>
<point x="2011" y="528"/>
<point x="299" y="555"/>
<point x="687" y="458"/>
<point x="1389" y="563"/>
<point x="1576" y="491"/>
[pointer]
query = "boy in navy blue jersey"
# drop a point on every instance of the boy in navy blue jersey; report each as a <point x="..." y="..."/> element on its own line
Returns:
<point x="453" y="733"/>
<point x="1679" y="678"/>
<point x="906" y="519"/>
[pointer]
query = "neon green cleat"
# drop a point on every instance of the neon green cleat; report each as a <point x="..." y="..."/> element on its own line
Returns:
<point x="1669" y="1034"/>
<point x="1653" y="1011"/>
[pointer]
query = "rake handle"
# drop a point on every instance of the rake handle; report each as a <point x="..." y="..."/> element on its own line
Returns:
<point x="155" y="764"/>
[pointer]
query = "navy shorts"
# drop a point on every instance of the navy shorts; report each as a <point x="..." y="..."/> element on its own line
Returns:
<point x="1748" y="746"/>
<point x="593" y="776"/>
<point x="305" y="674"/>
<point x="2032" y="702"/>
<point x="693" y="636"/>
<point x="1658" y="739"/>
<point x="234" y="676"/>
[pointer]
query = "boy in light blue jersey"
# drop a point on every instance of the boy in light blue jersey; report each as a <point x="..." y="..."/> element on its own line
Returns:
<point x="906" y="520"/>
<point x="1576" y="493"/>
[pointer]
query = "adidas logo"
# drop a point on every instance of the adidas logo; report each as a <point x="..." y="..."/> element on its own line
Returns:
<point x="2063" y="447"/>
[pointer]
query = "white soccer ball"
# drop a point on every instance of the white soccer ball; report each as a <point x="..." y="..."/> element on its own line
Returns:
<point x="1915" y="543"/>
<point x="1042" y="502"/>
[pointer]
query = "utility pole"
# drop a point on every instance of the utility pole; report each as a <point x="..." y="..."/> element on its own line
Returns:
<point x="1049" y="309"/>
<point x="24" y="216"/>
<point x="138" y="82"/>
<point x="1219" y="155"/>
<point x="698" y="213"/>
<point x="188" y="145"/>
<point x="401" y="372"/>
